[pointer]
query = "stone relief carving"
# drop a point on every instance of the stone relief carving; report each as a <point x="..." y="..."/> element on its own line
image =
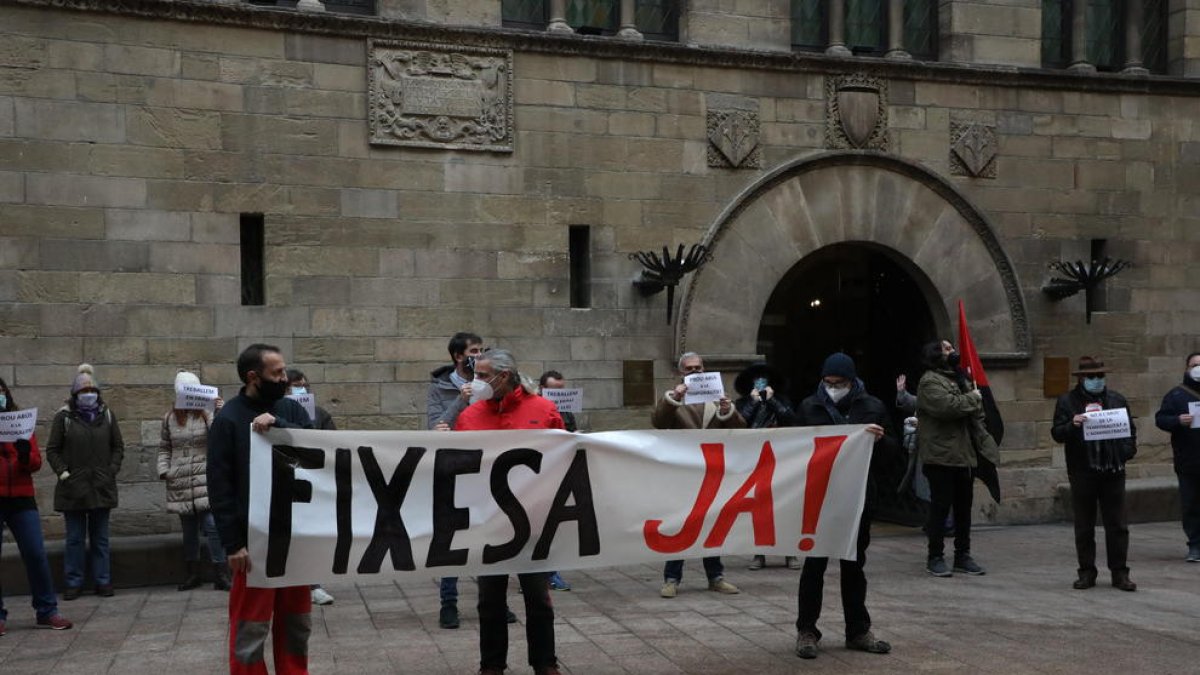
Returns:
<point x="733" y="139"/>
<point x="972" y="149"/>
<point x="440" y="96"/>
<point x="856" y="112"/>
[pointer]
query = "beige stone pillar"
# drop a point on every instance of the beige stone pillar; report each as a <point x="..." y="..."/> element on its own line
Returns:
<point x="629" y="29"/>
<point x="837" y="29"/>
<point x="895" y="28"/>
<point x="1135" y="17"/>
<point x="1079" y="58"/>
<point x="558" y="17"/>
<point x="311" y="5"/>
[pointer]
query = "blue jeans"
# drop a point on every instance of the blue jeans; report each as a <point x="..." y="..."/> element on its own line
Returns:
<point x="93" y="523"/>
<point x="192" y="522"/>
<point x="26" y="529"/>
<point x="449" y="590"/>
<point x="712" y="567"/>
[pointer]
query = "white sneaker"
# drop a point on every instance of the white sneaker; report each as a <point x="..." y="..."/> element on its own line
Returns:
<point x="321" y="597"/>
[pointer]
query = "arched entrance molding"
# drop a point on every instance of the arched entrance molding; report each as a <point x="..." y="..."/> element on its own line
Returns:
<point x="852" y="196"/>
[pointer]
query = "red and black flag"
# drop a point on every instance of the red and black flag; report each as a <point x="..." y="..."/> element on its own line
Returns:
<point x="969" y="361"/>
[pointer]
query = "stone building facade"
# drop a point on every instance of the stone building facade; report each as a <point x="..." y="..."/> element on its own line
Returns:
<point x="180" y="179"/>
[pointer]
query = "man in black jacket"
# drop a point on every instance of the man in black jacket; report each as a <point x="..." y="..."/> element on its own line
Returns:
<point x="841" y="399"/>
<point x="259" y="405"/>
<point x="1096" y="470"/>
<point x="1175" y="417"/>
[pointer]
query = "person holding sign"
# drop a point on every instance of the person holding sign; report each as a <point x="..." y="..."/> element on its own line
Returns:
<point x="672" y="412"/>
<point x="85" y="451"/>
<point x="183" y="464"/>
<point x="1179" y="415"/>
<point x="259" y="406"/>
<point x="1096" y="470"/>
<point x="19" y="460"/>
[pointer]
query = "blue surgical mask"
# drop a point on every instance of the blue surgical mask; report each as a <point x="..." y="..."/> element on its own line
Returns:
<point x="297" y="391"/>
<point x="88" y="399"/>
<point x="1093" y="385"/>
<point x="3" y="402"/>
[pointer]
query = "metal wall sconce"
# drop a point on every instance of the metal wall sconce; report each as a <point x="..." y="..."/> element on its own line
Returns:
<point x="665" y="272"/>
<point x="1078" y="276"/>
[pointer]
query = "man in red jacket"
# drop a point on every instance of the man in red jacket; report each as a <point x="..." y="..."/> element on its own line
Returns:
<point x="500" y="401"/>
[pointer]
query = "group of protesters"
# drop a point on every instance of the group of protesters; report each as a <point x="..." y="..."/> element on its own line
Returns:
<point x="204" y="461"/>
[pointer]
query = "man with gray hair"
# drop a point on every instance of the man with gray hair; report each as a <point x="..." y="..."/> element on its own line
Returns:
<point x="672" y="413"/>
<point x="499" y="400"/>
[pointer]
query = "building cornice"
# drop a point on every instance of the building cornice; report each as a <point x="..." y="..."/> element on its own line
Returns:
<point x="245" y="15"/>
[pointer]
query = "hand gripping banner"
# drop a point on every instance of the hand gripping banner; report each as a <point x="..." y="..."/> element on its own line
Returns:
<point x="328" y="505"/>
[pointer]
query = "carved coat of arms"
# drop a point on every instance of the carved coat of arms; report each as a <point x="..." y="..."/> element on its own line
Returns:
<point x="856" y="112"/>
<point x="972" y="149"/>
<point x="733" y="139"/>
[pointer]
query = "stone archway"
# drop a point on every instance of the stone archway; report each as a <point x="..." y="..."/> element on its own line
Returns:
<point x="851" y="196"/>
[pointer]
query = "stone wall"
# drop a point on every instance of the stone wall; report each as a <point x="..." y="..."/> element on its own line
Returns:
<point x="129" y="147"/>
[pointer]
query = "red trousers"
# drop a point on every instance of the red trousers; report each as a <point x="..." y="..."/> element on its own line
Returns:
<point x="253" y="612"/>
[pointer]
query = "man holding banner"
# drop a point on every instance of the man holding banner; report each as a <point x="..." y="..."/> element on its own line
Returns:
<point x="260" y="405"/>
<point x="674" y="411"/>
<point x="503" y="402"/>
<point x="1098" y="436"/>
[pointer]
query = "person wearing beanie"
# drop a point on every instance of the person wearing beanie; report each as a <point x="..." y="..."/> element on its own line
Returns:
<point x="85" y="451"/>
<point x="19" y="460"/>
<point x="1175" y="417"/>
<point x="183" y="464"/>
<point x="840" y="398"/>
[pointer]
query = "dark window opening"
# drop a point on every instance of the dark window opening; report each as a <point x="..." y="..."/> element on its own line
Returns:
<point x="253" y="266"/>
<point x="580" y="252"/>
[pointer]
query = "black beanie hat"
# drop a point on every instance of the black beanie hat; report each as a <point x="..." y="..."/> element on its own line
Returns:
<point x="839" y="365"/>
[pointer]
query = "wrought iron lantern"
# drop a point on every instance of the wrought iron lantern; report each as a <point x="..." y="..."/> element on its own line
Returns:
<point x="664" y="272"/>
<point x="1078" y="276"/>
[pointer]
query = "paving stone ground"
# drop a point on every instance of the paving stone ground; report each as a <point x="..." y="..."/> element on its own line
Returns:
<point x="1022" y="617"/>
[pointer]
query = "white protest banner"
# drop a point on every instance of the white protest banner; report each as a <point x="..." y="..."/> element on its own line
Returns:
<point x="1194" y="411"/>
<point x="17" y="425"/>
<point x="195" y="397"/>
<point x="1106" y="424"/>
<point x="349" y="505"/>
<point x="567" y="400"/>
<point x="703" y="387"/>
<point x="309" y="402"/>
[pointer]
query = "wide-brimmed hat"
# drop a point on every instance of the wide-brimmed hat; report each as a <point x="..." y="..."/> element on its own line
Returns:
<point x="745" y="379"/>
<point x="1090" y="365"/>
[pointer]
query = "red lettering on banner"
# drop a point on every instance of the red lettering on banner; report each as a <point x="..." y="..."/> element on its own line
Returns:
<point x="816" y="484"/>
<point x="714" y="471"/>
<point x="761" y="506"/>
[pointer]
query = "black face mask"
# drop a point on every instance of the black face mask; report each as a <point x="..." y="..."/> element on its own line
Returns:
<point x="270" y="391"/>
<point x="952" y="359"/>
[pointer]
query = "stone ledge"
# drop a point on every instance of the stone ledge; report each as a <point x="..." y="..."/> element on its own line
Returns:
<point x="1147" y="500"/>
<point x="148" y="560"/>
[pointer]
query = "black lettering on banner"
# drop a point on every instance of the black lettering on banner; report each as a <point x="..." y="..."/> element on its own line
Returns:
<point x="345" y="529"/>
<point x="508" y="502"/>
<point x="285" y="490"/>
<point x="390" y="535"/>
<point x="448" y="464"/>
<point x="576" y="483"/>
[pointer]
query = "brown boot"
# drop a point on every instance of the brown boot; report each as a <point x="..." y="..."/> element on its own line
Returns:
<point x="1087" y="579"/>
<point x="1121" y="580"/>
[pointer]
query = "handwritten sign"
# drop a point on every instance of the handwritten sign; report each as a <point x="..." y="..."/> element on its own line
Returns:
<point x="1106" y="424"/>
<point x="703" y="387"/>
<point x="1194" y="411"/>
<point x="17" y="425"/>
<point x="567" y="400"/>
<point x="309" y="402"/>
<point x="195" y="397"/>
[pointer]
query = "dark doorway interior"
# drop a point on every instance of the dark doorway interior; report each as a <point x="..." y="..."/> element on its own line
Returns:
<point x="858" y="299"/>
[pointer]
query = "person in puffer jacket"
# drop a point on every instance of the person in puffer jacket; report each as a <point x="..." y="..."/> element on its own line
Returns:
<point x="183" y="464"/>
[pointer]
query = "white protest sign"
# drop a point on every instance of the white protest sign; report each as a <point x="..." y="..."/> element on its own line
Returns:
<point x="567" y="400"/>
<point x="17" y="425"/>
<point x="195" y="397"/>
<point x="309" y="402"/>
<point x="703" y="387"/>
<point x="379" y="505"/>
<point x="1106" y="424"/>
<point x="1194" y="411"/>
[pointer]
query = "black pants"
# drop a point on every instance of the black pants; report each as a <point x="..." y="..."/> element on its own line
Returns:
<point x="1189" y="501"/>
<point x="1107" y="489"/>
<point x="493" y="626"/>
<point x="950" y="487"/>
<point x="854" y="588"/>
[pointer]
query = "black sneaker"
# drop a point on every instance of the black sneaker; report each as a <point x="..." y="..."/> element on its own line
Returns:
<point x="448" y="617"/>
<point x="868" y="643"/>
<point x="937" y="567"/>
<point x="966" y="565"/>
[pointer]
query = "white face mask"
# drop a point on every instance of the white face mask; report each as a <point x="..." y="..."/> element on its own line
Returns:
<point x="88" y="399"/>
<point x="1194" y="372"/>
<point x="837" y="393"/>
<point x="481" y="390"/>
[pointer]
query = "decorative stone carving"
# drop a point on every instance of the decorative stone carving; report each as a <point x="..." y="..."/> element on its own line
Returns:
<point x="733" y="139"/>
<point x="856" y="112"/>
<point x="972" y="149"/>
<point x="440" y="96"/>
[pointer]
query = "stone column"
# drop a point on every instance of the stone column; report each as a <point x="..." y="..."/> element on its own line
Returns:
<point x="1079" y="58"/>
<point x="895" y="28"/>
<point x="1134" y="17"/>
<point x="558" y="17"/>
<point x="629" y="29"/>
<point x="837" y="29"/>
<point x="311" y="5"/>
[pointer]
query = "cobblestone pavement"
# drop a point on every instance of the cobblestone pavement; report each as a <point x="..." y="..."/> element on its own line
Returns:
<point x="1022" y="617"/>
